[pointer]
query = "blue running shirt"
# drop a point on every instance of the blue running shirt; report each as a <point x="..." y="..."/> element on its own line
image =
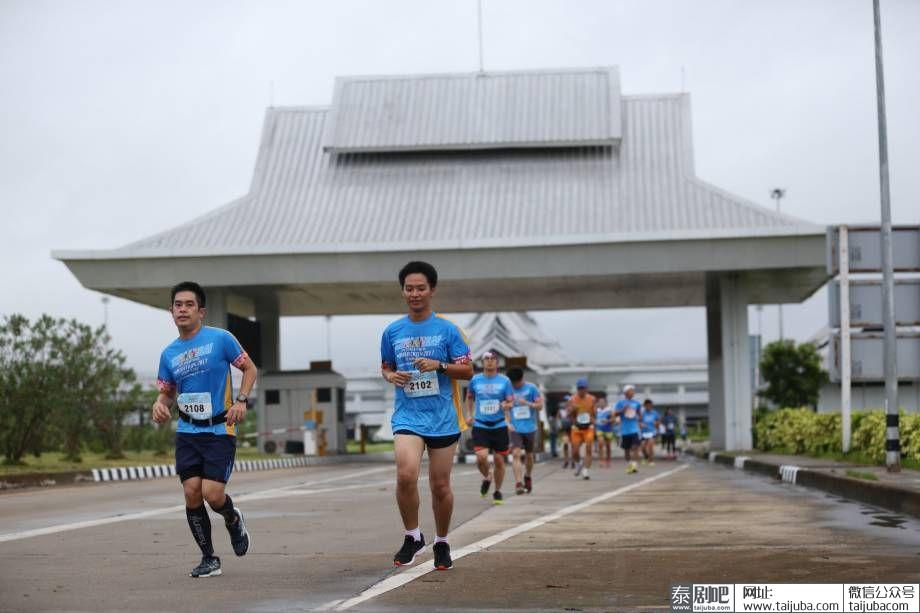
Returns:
<point x="489" y="393"/>
<point x="429" y="405"/>
<point x="670" y="423"/>
<point x="523" y="417"/>
<point x="628" y="412"/>
<point x="648" y="420"/>
<point x="604" y="420"/>
<point x="198" y="370"/>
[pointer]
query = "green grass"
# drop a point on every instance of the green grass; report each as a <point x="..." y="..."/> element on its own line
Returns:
<point x="860" y="474"/>
<point x="355" y="447"/>
<point x="53" y="461"/>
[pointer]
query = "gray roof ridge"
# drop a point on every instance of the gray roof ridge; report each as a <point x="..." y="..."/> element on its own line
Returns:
<point x="750" y="204"/>
<point x="240" y="201"/>
<point x="475" y="73"/>
<point x="300" y="108"/>
<point x="658" y="96"/>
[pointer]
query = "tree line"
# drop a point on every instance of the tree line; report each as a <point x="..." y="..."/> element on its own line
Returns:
<point x="63" y="387"/>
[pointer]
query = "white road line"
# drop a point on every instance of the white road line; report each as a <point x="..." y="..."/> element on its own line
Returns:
<point x="398" y="580"/>
<point x="265" y="494"/>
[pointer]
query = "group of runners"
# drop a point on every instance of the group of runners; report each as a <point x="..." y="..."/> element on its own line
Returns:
<point x="589" y="425"/>
<point x="425" y="357"/>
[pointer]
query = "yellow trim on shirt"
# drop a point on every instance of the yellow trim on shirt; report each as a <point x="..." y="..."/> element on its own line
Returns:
<point x="228" y="402"/>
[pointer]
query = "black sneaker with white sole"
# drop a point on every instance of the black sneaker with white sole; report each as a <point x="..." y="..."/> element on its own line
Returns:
<point x="442" y="559"/>
<point x="410" y="548"/>
<point x="239" y="535"/>
<point x="484" y="488"/>
<point x="209" y="567"/>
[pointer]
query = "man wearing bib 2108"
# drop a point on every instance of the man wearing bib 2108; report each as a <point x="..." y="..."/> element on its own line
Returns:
<point x="423" y="355"/>
<point x="196" y="366"/>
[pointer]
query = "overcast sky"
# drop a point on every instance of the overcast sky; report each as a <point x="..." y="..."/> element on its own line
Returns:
<point x="121" y="119"/>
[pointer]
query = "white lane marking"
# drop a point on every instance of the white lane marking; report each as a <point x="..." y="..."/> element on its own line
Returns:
<point x="394" y="581"/>
<point x="266" y="494"/>
<point x="281" y="492"/>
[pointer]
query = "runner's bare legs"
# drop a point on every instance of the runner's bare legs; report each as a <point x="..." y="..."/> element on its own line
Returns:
<point x="440" y="463"/>
<point x="408" y="450"/>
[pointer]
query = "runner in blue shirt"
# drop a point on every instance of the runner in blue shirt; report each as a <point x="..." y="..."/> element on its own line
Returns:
<point x="488" y="402"/>
<point x="525" y="414"/>
<point x="603" y="425"/>
<point x="650" y="422"/>
<point x="670" y="431"/>
<point x="196" y="366"/>
<point x="423" y="355"/>
<point x="627" y="415"/>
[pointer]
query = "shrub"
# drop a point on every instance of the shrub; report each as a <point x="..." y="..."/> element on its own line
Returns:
<point x="802" y="431"/>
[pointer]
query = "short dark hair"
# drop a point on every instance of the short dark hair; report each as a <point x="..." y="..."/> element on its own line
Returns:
<point x="647" y="401"/>
<point x="188" y="286"/>
<point x="515" y="373"/>
<point x="423" y="268"/>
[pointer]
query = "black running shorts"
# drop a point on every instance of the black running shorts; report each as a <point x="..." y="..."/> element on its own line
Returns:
<point x="205" y="455"/>
<point x="629" y="441"/>
<point x="494" y="439"/>
<point x="522" y="441"/>
<point x="433" y="442"/>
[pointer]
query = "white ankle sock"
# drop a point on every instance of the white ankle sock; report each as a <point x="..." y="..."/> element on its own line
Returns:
<point x="440" y="539"/>
<point x="415" y="533"/>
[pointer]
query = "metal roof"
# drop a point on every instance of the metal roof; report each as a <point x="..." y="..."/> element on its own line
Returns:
<point x="515" y="334"/>
<point x="305" y="200"/>
<point x="495" y="110"/>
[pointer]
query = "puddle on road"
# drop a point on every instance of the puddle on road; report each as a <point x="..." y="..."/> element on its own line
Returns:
<point x="836" y="512"/>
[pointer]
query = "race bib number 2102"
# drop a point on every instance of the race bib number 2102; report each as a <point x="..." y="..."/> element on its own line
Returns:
<point x="422" y="384"/>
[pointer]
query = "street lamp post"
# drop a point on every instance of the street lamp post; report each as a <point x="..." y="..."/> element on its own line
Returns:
<point x="893" y="438"/>
<point x="777" y="194"/>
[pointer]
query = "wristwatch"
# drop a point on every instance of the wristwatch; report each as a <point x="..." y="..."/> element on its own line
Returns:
<point x="442" y="368"/>
<point x="242" y="398"/>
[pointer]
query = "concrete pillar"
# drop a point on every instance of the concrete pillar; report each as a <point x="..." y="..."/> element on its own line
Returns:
<point x="269" y="318"/>
<point x="729" y="362"/>
<point x="216" y="304"/>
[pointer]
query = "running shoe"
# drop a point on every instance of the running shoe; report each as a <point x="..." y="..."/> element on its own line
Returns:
<point x="519" y="488"/>
<point x="209" y="567"/>
<point x="578" y="468"/>
<point x="239" y="535"/>
<point x="528" y="484"/>
<point x="410" y="548"/>
<point x="484" y="488"/>
<point x="651" y="463"/>
<point x="644" y="461"/>
<point x="497" y="498"/>
<point x="565" y="465"/>
<point x="442" y="559"/>
<point x="585" y="475"/>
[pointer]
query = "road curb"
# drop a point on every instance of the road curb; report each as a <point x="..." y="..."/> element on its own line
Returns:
<point x="900" y="500"/>
<point x="158" y="471"/>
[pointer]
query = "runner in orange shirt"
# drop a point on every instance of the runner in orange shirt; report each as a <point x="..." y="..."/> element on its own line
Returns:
<point x="582" y="415"/>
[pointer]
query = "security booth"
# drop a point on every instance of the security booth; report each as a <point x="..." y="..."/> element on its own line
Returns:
<point x="302" y="411"/>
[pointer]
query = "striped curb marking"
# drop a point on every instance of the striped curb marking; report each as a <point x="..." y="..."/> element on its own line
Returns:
<point x="135" y="473"/>
<point x="740" y="460"/>
<point x="788" y="473"/>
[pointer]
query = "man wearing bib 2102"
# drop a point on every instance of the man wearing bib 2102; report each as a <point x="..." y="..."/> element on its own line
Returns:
<point x="423" y="355"/>
<point x="196" y="366"/>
